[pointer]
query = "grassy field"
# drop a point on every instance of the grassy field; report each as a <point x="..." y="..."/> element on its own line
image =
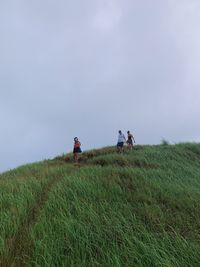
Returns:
<point x="138" y="209"/>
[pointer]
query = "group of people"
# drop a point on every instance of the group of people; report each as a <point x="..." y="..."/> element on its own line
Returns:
<point x="122" y="140"/>
<point x="120" y="144"/>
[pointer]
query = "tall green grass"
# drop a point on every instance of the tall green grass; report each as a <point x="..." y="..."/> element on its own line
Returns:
<point x="115" y="217"/>
<point x="140" y="208"/>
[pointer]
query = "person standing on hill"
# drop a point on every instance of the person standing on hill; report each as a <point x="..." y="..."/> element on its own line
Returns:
<point x="120" y="142"/>
<point x="130" y="140"/>
<point x="77" y="149"/>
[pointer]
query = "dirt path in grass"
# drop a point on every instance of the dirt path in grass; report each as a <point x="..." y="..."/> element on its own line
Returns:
<point x="19" y="248"/>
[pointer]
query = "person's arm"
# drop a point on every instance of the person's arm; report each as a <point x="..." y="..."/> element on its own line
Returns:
<point x="124" y="138"/>
<point x="133" y="138"/>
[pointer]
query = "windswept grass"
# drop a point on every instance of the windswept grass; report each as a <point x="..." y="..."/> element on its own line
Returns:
<point x="140" y="209"/>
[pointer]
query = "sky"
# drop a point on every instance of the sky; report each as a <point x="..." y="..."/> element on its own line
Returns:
<point x="89" y="68"/>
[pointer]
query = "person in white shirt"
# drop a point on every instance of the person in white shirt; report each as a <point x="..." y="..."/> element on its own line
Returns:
<point x="121" y="141"/>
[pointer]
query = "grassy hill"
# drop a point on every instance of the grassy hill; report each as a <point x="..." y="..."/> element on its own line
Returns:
<point x="140" y="209"/>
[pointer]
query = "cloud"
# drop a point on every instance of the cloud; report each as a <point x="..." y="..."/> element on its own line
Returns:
<point x="108" y="15"/>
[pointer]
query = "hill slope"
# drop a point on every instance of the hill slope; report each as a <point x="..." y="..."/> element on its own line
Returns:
<point x="139" y="209"/>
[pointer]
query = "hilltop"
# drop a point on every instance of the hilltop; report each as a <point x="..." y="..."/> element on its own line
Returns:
<point x="140" y="209"/>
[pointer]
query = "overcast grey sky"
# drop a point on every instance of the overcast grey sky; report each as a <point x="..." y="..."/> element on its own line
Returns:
<point x="88" y="68"/>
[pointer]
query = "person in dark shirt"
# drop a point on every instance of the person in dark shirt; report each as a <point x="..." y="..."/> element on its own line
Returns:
<point x="130" y="140"/>
<point x="77" y="149"/>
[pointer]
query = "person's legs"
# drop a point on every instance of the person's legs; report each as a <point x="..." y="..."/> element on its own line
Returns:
<point x="121" y="147"/>
<point x="130" y="145"/>
<point x="76" y="157"/>
<point x="118" y="148"/>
